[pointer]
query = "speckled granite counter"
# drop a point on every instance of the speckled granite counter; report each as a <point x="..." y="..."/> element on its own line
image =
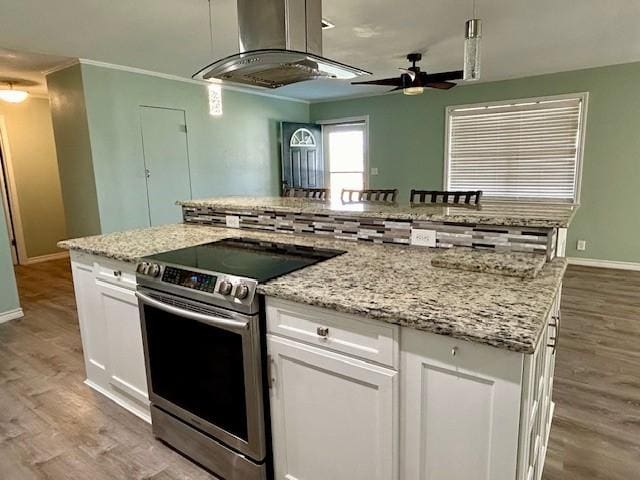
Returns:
<point x="523" y="265"/>
<point x="390" y="283"/>
<point x="489" y="213"/>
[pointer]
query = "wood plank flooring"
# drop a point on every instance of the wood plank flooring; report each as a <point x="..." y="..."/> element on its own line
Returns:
<point x="54" y="427"/>
<point x="596" y="427"/>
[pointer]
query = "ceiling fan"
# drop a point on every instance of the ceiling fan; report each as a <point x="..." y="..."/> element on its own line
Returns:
<point x="414" y="81"/>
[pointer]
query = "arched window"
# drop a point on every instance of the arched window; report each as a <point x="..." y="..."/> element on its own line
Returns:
<point x="302" y="138"/>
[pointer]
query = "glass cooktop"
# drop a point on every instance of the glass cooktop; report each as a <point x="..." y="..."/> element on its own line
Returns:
<point x="245" y="257"/>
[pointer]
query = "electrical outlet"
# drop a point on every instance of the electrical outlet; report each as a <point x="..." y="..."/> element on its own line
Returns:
<point x="233" y="221"/>
<point x="374" y="171"/>
<point x="582" y="245"/>
<point x="423" y="238"/>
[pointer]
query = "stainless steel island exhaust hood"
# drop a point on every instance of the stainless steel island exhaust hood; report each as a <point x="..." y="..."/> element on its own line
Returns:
<point x="280" y="44"/>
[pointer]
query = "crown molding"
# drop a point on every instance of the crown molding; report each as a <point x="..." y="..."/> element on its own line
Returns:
<point x="177" y="78"/>
<point x="62" y="66"/>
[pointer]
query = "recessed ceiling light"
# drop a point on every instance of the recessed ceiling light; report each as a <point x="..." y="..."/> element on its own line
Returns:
<point x="326" y="24"/>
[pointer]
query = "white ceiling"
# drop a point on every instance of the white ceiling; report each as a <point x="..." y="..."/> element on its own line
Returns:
<point x="521" y="37"/>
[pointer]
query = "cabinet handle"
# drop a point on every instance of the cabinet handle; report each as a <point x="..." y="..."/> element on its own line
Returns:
<point x="556" y="325"/>
<point x="117" y="273"/>
<point x="454" y="351"/>
<point x="323" y="332"/>
<point x="270" y="380"/>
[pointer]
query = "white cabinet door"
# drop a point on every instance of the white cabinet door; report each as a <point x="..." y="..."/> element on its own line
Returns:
<point x="92" y="326"/>
<point x="333" y="417"/>
<point x="126" y="367"/>
<point x="460" y="409"/>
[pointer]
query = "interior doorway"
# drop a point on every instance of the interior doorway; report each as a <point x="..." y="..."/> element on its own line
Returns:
<point x="7" y="207"/>
<point x="346" y="155"/>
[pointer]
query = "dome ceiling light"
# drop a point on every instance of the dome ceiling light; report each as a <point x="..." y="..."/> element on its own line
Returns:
<point x="8" y="94"/>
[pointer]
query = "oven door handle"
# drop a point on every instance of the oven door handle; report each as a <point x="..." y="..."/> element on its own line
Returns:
<point x="198" y="317"/>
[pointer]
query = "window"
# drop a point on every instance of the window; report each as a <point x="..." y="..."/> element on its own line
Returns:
<point x="522" y="150"/>
<point x="345" y="153"/>
<point x="302" y="138"/>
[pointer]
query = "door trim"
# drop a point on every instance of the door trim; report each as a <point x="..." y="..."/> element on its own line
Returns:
<point x="12" y="191"/>
<point x="366" y="149"/>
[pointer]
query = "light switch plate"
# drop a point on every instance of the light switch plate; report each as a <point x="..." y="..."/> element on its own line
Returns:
<point x="233" y="221"/>
<point x="582" y="245"/>
<point x="374" y="171"/>
<point x="423" y="238"/>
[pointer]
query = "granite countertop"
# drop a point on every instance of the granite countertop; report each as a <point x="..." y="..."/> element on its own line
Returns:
<point x="488" y="213"/>
<point x="514" y="264"/>
<point x="391" y="283"/>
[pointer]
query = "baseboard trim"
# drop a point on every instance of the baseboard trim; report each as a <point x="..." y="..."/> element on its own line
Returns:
<point x="594" y="262"/>
<point x="11" y="315"/>
<point x="114" y="398"/>
<point x="46" y="258"/>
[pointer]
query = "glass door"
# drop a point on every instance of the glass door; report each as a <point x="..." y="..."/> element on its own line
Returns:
<point x="345" y="151"/>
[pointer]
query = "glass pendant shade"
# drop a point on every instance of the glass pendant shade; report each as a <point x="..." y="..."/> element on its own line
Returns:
<point x="473" y="34"/>
<point x="13" y="96"/>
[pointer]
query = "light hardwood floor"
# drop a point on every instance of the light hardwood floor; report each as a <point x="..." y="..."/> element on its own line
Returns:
<point x="54" y="427"/>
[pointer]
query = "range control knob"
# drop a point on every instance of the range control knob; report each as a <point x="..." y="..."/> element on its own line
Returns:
<point x="242" y="291"/>
<point x="225" y="287"/>
<point x="154" y="270"/>
<point x="140" y="268"/>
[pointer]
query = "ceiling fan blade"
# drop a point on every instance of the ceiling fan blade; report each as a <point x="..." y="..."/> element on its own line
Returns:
<point x="443" y="76"/>
<point x="440" y="85"/>
<point x="383" y="81"/>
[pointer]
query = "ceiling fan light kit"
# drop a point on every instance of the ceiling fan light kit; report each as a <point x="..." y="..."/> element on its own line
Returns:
<point x="413" y="81"/>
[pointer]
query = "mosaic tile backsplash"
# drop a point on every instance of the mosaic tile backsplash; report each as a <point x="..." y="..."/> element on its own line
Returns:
<point x="352" y="227"/>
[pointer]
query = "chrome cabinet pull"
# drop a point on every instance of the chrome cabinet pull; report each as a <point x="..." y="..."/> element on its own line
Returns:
<point x="323" y="332"/>
<point x="454" y="351"/>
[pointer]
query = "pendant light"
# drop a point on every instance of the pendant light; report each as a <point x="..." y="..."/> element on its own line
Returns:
<point x="214" y="90"/>
<point x="472" y="36"/>
<point x="13" y="96"/>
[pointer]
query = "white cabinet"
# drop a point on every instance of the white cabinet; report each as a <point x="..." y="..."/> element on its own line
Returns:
<point x="460" y="409"/>
<point x="126" y="368"/>
<point x="333" y="416"/>
<point x="111" y="332"/>
<point x="92" y="327"/>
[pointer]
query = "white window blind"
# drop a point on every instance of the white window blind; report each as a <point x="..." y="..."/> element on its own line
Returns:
<point x="528" y="150"/>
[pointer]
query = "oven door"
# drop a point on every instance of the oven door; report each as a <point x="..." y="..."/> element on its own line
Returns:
<point x="204" y="366"/>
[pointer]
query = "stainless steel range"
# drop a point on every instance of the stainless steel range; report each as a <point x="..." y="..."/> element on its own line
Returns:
<point x="203" y="332"/>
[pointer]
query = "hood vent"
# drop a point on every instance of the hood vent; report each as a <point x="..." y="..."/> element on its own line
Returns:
<point x="280" y="43"/>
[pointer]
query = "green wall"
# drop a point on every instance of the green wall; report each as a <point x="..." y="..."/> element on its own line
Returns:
<point x="71" y="132"/>
<point x="236" y="153"/>
<point x="8" y="292"/>
<point x="407" y="146"/>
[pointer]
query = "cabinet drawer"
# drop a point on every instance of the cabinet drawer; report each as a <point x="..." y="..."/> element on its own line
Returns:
<point x="117" y="273"/>
<point x="367" y="339"/>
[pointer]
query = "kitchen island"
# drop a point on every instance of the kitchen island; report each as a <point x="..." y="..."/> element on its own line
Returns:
<point x="389" y="361"/>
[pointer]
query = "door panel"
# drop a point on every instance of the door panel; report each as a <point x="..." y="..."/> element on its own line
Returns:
<point x="333" y="417"/>
<point x="166" y="158"/>
<point x="124" y="337"/>
<point x="460" y="409"/>
<point x="302" y="164"/>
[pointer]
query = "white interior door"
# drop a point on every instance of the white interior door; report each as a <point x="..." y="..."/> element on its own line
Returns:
<point x="345" y="150"/>
<point x="166" y="158"/>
